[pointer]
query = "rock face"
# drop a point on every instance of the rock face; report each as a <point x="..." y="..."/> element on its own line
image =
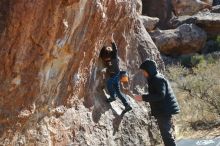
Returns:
<point x="210" y="22"/>
<point x="187" y="38"/>
<point x="190" y="7"/>
<point x="161" y="9"/>
<point x="216" y="9"/>
<point x="51" y="86"/>
<point x="149" y="22"/>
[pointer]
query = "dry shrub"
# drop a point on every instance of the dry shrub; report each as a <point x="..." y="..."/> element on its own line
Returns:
<point x="198" y="93"/>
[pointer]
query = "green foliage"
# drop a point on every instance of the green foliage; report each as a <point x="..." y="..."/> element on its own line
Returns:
<point x="209" y="59"/>
<point x="185" y="60"/>
<point x="218" y="40"/>
<point x="192" y="60"/>
<point x="212" y="45"/>
<point x="200" y="81"/>
<point x="197" y="59"/>
<point x="205" y="84"/>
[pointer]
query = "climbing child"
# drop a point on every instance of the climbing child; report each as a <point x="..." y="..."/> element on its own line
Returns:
<point x="109" y="56"/>
<point x="162" y="101"/>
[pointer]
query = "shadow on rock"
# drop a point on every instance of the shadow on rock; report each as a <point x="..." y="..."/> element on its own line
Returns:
<point x="116" y="122"/>
<point x="100" y="107"/>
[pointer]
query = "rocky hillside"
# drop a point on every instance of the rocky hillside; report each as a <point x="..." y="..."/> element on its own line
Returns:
<point x="51" y="84"/>
<point x="191" y="27"/>
<point x="51" y="89"/>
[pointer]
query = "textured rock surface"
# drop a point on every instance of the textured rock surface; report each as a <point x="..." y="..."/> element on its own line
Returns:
<point x="216" y="9"/>
<point x="161" y="9"/>
<point x="210" y="22"/>
<point x="51" y="89"/>
<point x="187" y="38"/>
<point x="165" y="10"/>
<point x="149" y="22"/>
<point x="190" y="7"/>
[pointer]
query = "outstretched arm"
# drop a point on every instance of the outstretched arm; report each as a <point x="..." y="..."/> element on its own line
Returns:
<point x="114" y="50"/>
<point x="159" y="95"/>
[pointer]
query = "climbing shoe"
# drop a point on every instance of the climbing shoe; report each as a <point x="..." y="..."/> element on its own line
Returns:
<point x="127" y="109"/>
<point x="110" y="99"/>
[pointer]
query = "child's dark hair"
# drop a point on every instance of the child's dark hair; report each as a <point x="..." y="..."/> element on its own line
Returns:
<point x="105" y="52"/>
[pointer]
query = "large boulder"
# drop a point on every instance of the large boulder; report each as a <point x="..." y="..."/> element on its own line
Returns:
<point x="216" y="9"/>
<point x="161" y="9"/>
<point x="210" y="22"/>
<point x="189" y="7"/>
<point x="150" y="23"/>
<point x="51" y="85"/>
<point x="187" y="38"/>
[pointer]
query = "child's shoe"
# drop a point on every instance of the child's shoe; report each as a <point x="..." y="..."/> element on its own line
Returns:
<point x="127" y="109"/>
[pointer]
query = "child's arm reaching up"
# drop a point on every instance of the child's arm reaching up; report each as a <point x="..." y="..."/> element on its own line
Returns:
<point x="114" y="47"/>
<point x="114" y="50"/>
